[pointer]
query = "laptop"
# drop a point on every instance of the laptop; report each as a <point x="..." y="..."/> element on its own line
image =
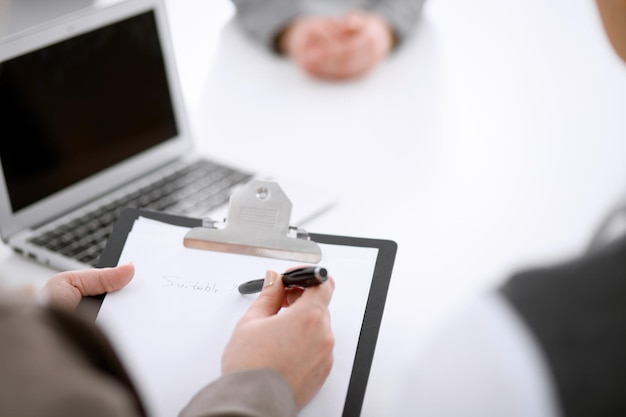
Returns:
<point x="91" y="121"/>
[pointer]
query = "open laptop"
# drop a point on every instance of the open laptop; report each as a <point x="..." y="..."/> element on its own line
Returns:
<point x="91" y="121"/>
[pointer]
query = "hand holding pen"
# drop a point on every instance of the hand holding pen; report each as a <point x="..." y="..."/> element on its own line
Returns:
<point x="300" y="277"/>
<point x="298" y="343"/>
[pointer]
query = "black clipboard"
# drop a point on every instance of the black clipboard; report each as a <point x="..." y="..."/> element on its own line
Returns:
<point x="374" y="309"/>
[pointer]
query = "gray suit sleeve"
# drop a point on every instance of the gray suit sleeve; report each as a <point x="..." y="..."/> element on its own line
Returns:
<point x="264" y="19"/>
<point x="77" y="373"/>
<point x="402" y="15"/>
<point x="254" y="393"/>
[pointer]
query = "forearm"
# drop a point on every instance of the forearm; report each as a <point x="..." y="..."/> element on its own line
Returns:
<point x="265" y="19"/>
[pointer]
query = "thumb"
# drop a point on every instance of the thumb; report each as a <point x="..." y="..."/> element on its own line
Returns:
<point x="67" y="288"/>
<point x="354" y="21"/>
<point x="271" y="299"/>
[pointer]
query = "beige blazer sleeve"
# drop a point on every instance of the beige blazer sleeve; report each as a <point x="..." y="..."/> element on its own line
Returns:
<point x="257" y="393"/>
<point x="53" y="363"/>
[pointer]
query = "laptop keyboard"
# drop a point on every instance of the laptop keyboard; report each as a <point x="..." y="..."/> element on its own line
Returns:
<point x="194" y="190"/>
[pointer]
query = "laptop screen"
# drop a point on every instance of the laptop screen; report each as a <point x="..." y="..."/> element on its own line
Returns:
<point x="77" y="107"/>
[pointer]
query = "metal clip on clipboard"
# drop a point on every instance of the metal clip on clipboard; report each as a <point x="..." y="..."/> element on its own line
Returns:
<point x="257" y="225"/>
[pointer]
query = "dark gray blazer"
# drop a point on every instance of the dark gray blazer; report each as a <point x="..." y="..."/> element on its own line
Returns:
<point x="577" y="313"/>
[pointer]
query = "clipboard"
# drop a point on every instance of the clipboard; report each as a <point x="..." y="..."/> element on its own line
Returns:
<point x="370" y="319"/>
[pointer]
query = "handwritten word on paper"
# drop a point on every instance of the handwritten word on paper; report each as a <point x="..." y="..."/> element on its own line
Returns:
<point x="179" y="283"/>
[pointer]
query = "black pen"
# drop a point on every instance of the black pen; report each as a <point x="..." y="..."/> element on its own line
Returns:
<point x="301" y="277"/>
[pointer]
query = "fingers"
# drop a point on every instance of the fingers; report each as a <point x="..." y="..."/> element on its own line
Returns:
<point x="263" y="339"/>
<point x="354" y="21"/>
<point x="66" y="289"/>
<point x="350" y="56"/>
<point x="342" y="49"/>
<point x="293" y="294"/>
<point x="323" y="31"/>
<point x="319" y="294"/>
<point x="271" y="299"/>
<point x="308" y="33"/>
<point x="312" y="38"/>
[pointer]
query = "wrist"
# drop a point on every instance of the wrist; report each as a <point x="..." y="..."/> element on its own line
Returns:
<point x="282" y="39"/>
<point x="389" y="39"/>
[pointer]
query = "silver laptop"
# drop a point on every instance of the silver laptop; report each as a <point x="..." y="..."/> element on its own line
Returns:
<point x="91" y="121"/>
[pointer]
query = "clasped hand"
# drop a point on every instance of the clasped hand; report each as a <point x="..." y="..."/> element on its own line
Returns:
<point x="338" y="49"/>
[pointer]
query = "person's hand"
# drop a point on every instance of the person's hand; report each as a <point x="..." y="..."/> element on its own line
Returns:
<point x="338" y="49"/>
<point x="298" y="342"/>
<point x="66" y="289"/>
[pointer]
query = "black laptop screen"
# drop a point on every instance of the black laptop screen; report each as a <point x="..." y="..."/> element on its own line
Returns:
<point x="74" y="108"/>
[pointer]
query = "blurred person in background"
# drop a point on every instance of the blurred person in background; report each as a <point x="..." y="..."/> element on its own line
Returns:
<point x="330" y="39"/>
<point x="551" y="341"/>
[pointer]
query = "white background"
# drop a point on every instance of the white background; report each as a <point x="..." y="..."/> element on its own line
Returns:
<point x="493" y="140"/>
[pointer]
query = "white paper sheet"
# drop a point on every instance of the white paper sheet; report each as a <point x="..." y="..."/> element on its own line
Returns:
<point x="172" y="322"/>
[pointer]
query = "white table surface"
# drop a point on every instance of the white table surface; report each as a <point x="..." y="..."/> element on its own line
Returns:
<point x="494" y="139"/>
